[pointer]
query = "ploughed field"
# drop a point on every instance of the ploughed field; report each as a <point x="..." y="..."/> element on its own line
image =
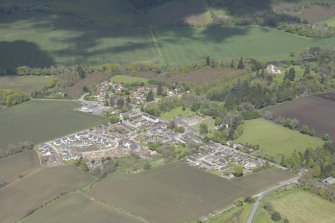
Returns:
<point x="179" y="193"/>
<point x="315" y="111"/>
<point x="39" y="121"/>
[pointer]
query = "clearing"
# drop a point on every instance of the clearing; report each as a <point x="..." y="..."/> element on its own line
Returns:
<point x="177" y="112"/>
<point x="179" y="193"/>
<point x="42" y="120"/>
<point x="274" y="139"/>
<point x="314" y="111"/>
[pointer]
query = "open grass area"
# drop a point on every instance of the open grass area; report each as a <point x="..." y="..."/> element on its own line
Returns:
<point x="330" y="22"/>
<point x="235" y="215"/>
<point x="75" y="208"/>
<point x="128" y="79"/>
<point x="26" y="84"/>
<point x="179" y="193"/>
<point x="18" y="165"/>
<point x="299" y="206"/>
<point x="274" y="139"/>
<point x="28" y="193"/>
<point x="39" y="121"/>
<point x="209" y="121"/>
<point x="74" y="32"/>
<point x="177" y="112"/>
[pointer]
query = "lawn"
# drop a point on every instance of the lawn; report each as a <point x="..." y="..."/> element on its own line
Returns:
<point x="179" y="193"/>
<point x="330" y="22"/>
<point x="30" y="192"/>
<point x="39" y="121"/>
<point x="274" y="139"/>
<point x="209" y="121"/>
<point x="177" y="112"/>
<point x="299" y="206"/>
<point x="103" y="31"/>
<point x="18" y="165"/>
<point x="75" y="208"/>
<point x="128" y="79"/>
<point x="26" y="84"/>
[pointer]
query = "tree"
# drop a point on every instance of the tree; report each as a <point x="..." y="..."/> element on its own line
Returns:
<point x="276" y="216"/>
<point x="239" y="201"/>
<point x="307" y="70"/>
<point x="218" y="121"/>
<point x="120" y="103"/>
<point x="240" y="65"/>
<point x="208" y="60"/>
<point x="238" y="170"/>
<point x="85" y="89"/>
<point x="290" y="75"/>
<point x="203" y="128"/>
<point x="114" y="119"/>
<point x="81" y="72"/>
<point x="325" y="137"/>
<point x="160" y="90"/>
<point x="150" y="96"/>
<point x="147" y="166"/>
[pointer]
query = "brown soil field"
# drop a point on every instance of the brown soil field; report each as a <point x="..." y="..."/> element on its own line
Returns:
<point x="29" y="193"/>
<point x="179" y="193"/>
<point x="313" y="13"/>
<point x="77" y="89"/>
<point x="315" y="111"/>
<point x="18" y="165"/>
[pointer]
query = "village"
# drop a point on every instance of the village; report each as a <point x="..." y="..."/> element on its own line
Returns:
<point x="134" y="131"/>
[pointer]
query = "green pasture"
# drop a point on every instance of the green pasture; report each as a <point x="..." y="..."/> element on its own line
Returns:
<point x="26" y="84"/>
<point x="274" y="139"/>
<point x="39" y="121"/>
<point x="177" y="112"/>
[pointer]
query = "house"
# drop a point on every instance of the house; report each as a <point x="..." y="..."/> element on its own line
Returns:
<point x="272" y="69"/>
<point x="329" y="181"/>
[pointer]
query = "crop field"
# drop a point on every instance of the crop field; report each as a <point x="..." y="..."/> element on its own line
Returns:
<point x="274" y="139"/>
<point x="75" y="208"/>
<point x="39" y="121"/>
<point x="179" y="193"/>
<point x="25" y="84"/>
<point x="314" y="111"/>
<point x="298" y="207"/>
<point x="36" y="189"/>
<point x="18" y="165"/>
<point x="109" y="32"/>
<point x="128" y="79"/>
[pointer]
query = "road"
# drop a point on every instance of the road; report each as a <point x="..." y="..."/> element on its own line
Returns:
<point x="263" y="194"/>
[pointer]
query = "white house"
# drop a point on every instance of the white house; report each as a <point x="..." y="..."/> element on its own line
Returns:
<point x="272" y="69"/>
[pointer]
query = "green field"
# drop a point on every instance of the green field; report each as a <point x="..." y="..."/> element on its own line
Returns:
<point x="32" y="191"/>
<point x="235" y="215"/>
<point x="109" y="32"/>
<point x="26" y="84"/>
<point x="128" y="79"/>
<point x="274" y="139"/>
<point x="179" y="193"/>
<point x="330" y="22"/>
<point x="75" y="208"/>
<point x="299" y="207"/>
<point x="18" y="165"/>
<point x="39" y="121"/>
<point x="177" y="112"/>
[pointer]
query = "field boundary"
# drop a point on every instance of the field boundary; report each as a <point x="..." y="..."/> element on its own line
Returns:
<point x="160" y="55"/>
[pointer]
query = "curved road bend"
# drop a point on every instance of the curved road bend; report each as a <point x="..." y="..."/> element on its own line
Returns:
<point x="264" y="193"/>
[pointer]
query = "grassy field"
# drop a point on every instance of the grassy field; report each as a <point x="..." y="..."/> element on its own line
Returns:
<point x="274" y="139"/>
<point x="235" y="215"/>
<point x="179" y="193"/>
<point x="330" y="22"/>
<point x="26" y="84"/>
<point x="177" y="112"/>
<point x="38" y="121"/>
<point x="298" y="207"/>
<point x="107" y="31"/>
<point x="32" y="191"/>
<point x="128" y="79"/>
<point x="18" y="165"/>
<point x="75" y="208"/>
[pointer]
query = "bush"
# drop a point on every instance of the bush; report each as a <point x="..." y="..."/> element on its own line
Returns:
<point x="239" y="202"/>
<point x="275" y="216"/>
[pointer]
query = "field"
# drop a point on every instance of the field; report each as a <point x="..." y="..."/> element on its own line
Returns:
<point x="330" y="22"/>
<point x="274" y="139"/>
<point x="30" y="192"/>
<point x="75" y="208"/>
<point x="298" y="207"/>
<point x="177" y="112"/>
<point x="108" y="32"/>
<point x="128" y="79"/>
<point x="39" y="121"/>
<point x="18" y="165"/>
<point x="235" y="215"/>
<point x="26" y="84"/>
<point x="179" y="193"/>
<point x="315" y="111"/>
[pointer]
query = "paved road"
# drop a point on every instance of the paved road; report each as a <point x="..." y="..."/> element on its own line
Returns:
<point x="263" y="194"/>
